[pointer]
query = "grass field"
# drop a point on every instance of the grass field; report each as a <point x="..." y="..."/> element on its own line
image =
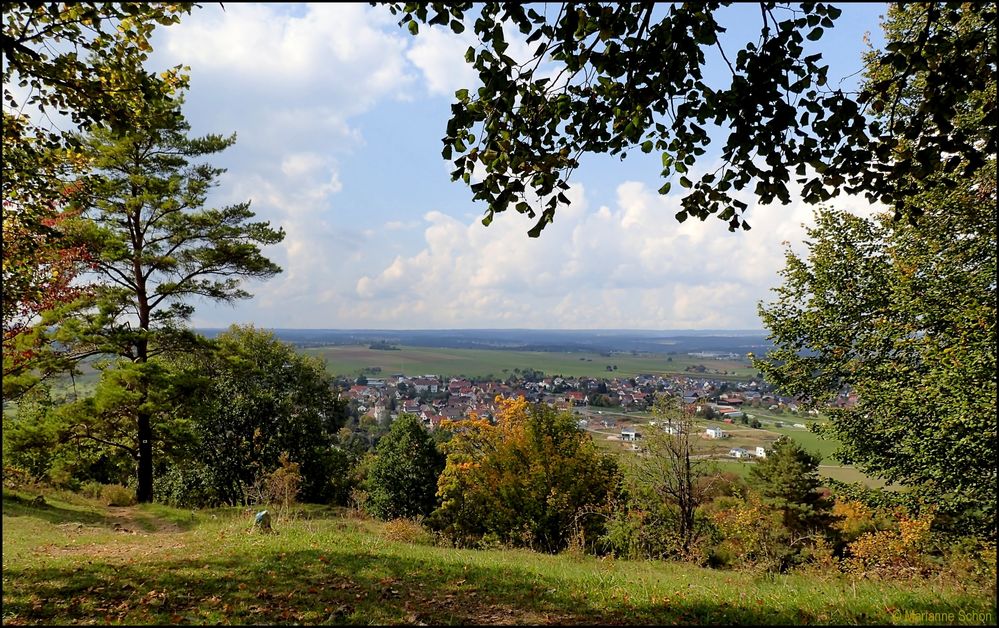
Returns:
<point x="351" y="360"/>
<point x="740" y="436"/>
<point x="66" y="563"/>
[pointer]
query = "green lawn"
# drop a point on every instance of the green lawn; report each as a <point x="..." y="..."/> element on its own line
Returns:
<point x="65" y="563"/>
<point x="350" y="360"/>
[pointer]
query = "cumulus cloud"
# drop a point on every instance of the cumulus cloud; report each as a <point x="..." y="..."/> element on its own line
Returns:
<point x="627" y="266"/>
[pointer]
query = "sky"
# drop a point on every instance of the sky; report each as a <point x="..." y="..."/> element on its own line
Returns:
<point x="339" y="113"/>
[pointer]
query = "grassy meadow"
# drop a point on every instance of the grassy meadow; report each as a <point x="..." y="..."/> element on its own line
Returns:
<point x="76" y="561"/>
<point x="739" y="436"/>
<point x="351" y="360"/>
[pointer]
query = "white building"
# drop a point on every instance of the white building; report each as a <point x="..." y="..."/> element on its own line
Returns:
<point x="738" y="452"/>
<point x="715" y="432"/>
<point x="761" y="452"/>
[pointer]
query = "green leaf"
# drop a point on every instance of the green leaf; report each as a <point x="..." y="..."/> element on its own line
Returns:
<point x="414" y="28"/>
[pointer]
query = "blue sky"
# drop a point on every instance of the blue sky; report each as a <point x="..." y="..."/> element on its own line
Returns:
<point x="339" y="115"/>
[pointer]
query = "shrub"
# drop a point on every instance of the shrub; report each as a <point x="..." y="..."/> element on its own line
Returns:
<point x="15" y="477"/>
<point x="896" y="553"/>
<point x="407" y="531"/>
<point x="283" y="483"/>
<point x="91" y="489"/>
<point x="527" y="481"/>
<point x="402" y="477"/>
<point x="117" y="495"/>
<point x="187" y="487"/>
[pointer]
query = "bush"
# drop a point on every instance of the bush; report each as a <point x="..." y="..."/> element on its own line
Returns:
<point x="283" y="483"/>
<point x="117" y="495"/>
<point x="532" y="480"/>
<point x="407" y="531"/>
<point x="15" y="477"/>
<point x="402" y="478"/>
<point x="91" y="489"/>
<point x="187" y="487"/>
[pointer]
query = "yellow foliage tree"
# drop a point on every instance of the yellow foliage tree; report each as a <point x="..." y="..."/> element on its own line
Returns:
<point x="533" y="479"/>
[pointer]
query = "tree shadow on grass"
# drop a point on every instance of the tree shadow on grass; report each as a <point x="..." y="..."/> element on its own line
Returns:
<point x="354" y="587"/>
<point x="17" y="506"/>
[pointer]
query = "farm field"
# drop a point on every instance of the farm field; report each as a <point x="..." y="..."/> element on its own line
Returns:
<point x="352" y="360"/>
<point x="740" y="436"/>
<point x="74" y="560"/>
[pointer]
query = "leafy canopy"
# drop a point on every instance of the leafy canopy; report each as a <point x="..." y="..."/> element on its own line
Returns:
<point x="402" y="480"/>
<point x="258" y="399"/>
<point x="609" y="78"/>
<point x="83" y="60"/>
<point x="905" y="316"/>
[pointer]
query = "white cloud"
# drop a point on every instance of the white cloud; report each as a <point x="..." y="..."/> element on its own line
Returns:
<point x="440" y="55"/>
<point x="628" y="266"/>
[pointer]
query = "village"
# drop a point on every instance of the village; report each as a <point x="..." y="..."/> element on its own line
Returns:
<point x="615" y="409"/>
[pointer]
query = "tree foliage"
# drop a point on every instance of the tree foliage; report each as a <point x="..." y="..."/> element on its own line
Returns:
<point x="788" y="481"/>
<point x="258" y="400"/>
<point x="609" y="78"/>
<point x="83" y="60"/>
<point x="533" y="479"/>
<point x="402" y="479"/>
<point x="155" y="246"/>
<point x="905" y="316"/>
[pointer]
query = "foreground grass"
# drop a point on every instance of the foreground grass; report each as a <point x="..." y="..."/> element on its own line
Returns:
<point x="67" y="563"/>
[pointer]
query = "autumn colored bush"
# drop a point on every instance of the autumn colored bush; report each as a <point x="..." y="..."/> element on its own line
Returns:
<point x="894" y="553"/>
<point x="407" y="531"/>
<point x="284" y="482"/>
<point x="534" y="479"/>
<point x="117" y="495"/>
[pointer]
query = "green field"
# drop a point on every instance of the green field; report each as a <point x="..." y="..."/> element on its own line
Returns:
<point x="351" y="360"/>
<point x="67" y="563"/>
<point x="740" y="436"/>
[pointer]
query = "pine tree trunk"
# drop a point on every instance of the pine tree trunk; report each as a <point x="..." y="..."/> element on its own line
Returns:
<point x="144" y="492"/>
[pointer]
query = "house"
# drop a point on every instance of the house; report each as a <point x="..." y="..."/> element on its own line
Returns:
<point x="630" y="434"/>
<point x="715" y="432"/>
<point x="421" y="384"/>
<point x="761" y="452"/>
<point x="738" y="452"/>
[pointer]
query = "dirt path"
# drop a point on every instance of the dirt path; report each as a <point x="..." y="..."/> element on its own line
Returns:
<point x="131" y="519"/>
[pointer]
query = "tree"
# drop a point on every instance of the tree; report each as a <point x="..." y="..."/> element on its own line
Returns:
<point x="259" y="399"/>
<point x="534" y="479"/>
<point x="788" y="480"/>
<point x="614" y="78"/>
<point x="155" y="246"/>
<point x="905" y="316"/>
<point x="674" y="480"/>
<point x="84" y="60"/>
<point x="402" y="480"/>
